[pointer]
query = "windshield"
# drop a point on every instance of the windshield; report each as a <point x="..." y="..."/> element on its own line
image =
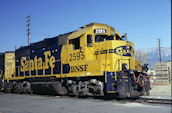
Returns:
<point x="100" y="38"/>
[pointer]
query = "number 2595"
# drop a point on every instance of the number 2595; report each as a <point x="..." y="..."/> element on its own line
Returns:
<point x="76" y="56"/>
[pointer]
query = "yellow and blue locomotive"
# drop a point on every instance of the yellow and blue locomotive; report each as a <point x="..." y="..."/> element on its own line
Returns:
<point x="94" y="60"/>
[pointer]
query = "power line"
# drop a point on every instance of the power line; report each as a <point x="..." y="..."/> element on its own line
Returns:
<point x="145" y="22"/>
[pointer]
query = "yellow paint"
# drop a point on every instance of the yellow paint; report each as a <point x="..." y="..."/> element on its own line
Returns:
<point x="137" y="55"/>
<point x="111" y="92"/>
<point x="114" y="84"/>
<point x="9" y="65"/>
<point x="40" y="63"/>
<point x="36" y="65"/>
<point x="140" y="58"/>
<point x="47" y="54"/>
<point x="22" y="64"/>
<point x="124" y="76"/>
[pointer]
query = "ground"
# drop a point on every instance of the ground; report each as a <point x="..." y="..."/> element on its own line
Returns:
<point x="24" y="103"/>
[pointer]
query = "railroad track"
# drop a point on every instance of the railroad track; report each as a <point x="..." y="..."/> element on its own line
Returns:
<point x="156" y="100"/>
<point x="142" y="99"/>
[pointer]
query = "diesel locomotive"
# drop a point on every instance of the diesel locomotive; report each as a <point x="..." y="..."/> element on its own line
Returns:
<point x="94" y="60"/>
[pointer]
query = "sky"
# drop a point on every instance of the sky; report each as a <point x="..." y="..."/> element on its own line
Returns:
<point x="144" y="21"/>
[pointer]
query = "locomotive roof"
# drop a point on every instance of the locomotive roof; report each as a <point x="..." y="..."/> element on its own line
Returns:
<point x="9" y="52"/>
<point x="78" y="33"/>
<point x="62" y="38"/>
<point x="1" y="54"/>
<point x="85" y="28"/>
<point x="95" y="24"/>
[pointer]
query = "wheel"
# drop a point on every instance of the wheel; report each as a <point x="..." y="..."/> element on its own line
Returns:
<point x="147" y="93"/>
<point x="9" y="87"/>
<point x="31" y="91"/>
<point x="143" y="91"/>
<point x="60" y="90"/>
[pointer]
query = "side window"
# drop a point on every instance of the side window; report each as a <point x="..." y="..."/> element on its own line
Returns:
<point x="75" y="42"/>
<point x="109" y="38"/>
<point x="99" y="38"/>
<point x="89" y="41"/>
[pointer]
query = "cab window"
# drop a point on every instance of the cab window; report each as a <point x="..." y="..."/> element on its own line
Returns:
<point x="109" y="38"/>
<point x="89" y="41"/>
<point x="101" y="38"/>
<point x="75" y="42"/>
<point x="117" y="37"/>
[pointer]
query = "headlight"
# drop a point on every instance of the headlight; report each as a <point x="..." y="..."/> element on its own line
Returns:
<point x="128" y="47"/>
<point x="124" y="67"/>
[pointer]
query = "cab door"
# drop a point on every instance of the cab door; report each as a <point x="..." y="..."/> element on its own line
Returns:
<point x="76" y="56"/>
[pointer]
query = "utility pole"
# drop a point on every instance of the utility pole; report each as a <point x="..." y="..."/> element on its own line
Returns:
<point x="159" y="43"/>
<point x="28" y="28"/>
<point x="15" y="47"/>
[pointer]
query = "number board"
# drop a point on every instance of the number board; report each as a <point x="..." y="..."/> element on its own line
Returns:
<point x="99" y="31"/>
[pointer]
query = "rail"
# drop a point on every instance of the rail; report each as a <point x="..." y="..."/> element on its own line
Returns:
<point x="156" y="100"/>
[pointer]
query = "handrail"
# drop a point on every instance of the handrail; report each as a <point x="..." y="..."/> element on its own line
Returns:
<point x="146" y="57"/>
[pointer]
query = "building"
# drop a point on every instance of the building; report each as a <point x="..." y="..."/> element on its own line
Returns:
<point x="163" y="72"/>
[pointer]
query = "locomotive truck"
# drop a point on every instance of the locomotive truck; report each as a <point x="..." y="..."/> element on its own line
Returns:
<point x="94" y="60"/>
